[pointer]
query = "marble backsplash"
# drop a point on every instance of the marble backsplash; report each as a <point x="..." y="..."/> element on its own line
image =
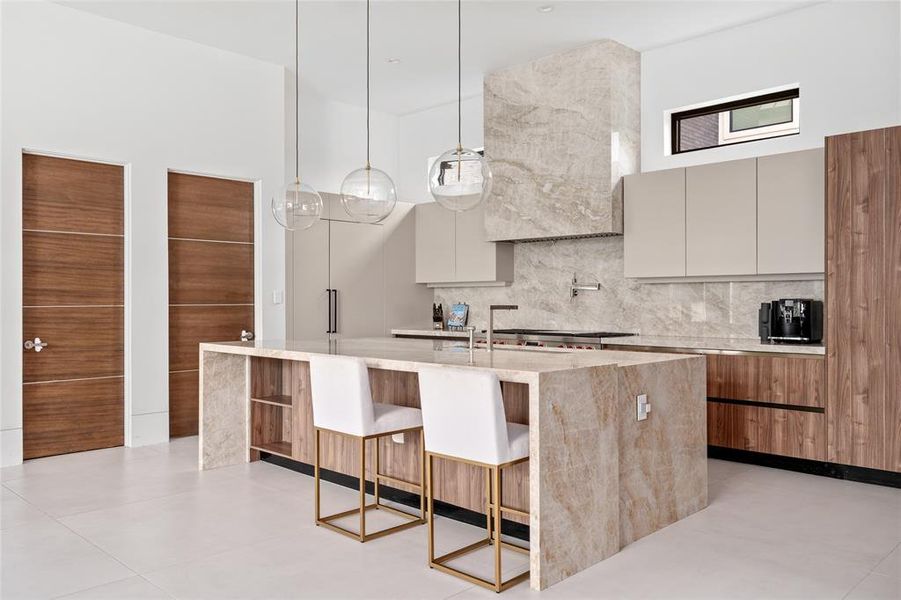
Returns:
<point x="544" y="270"/>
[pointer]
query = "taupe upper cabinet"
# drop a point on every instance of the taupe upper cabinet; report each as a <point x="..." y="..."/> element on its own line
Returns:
<point x="791" y="212"/>
<point x="758" y="216"/>
<point x="435" y="231"/>
<point x="721" y="218"/>
<point x="452" y="248"/>
<point x="654" y="224"/>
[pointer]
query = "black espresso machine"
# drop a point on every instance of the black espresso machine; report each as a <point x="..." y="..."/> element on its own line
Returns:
<point x="791" y="321"/>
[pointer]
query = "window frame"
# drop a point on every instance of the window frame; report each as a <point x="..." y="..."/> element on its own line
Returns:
<point x="723" y="110"/>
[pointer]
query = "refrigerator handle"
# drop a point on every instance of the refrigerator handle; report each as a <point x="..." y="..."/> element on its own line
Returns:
<point x="328" y="292"/>
<point x="334" y="311"/>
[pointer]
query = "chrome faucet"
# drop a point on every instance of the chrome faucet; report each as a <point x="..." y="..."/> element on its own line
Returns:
<point x="491" y="310"/>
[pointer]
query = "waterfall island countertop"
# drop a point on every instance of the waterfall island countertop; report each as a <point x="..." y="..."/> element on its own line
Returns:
<point x="597" y="479"/>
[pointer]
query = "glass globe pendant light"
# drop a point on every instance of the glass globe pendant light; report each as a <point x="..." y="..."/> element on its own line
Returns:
<point x="297" y="206"/>
<point x="460" y="179"/>
<point x="368" y="194"/>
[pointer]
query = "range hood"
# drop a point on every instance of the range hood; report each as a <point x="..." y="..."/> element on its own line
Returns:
<point x="561" y="131"/>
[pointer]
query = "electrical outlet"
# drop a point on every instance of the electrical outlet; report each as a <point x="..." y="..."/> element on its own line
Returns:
<point x="278" y="296"/>
<point x="643" y="407"/>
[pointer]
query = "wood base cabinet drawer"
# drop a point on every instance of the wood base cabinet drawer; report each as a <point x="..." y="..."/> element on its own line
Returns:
<point x="786" y="432"/>
<point x="771" y="379"/>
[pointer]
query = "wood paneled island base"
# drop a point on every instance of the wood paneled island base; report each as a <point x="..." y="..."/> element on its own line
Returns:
<point x="596" y="480"/>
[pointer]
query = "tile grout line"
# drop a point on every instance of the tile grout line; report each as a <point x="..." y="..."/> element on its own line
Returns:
<point x="61" y="524"/>
<point x="872" y="570"/>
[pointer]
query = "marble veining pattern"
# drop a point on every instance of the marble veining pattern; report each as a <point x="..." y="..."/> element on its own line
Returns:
<point x="224" y="423"/>
<point x="662" y="460"/>
<point x="574" y="482"/>
<point x="561" y="131"/>
<point x="543" y="272"/>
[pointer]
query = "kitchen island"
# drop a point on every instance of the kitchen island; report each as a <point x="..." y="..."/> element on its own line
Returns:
<point x="597" y="479"/>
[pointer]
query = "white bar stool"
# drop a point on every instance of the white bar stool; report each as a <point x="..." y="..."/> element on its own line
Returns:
<point x="342" y="404"/>
<point x="464" y="420"/>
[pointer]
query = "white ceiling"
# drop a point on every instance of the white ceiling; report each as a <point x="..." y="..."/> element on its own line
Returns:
<point x="422" y="34"/>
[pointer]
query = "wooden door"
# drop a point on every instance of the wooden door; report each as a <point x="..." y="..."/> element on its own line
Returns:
<point x="357" y="274"/>
<point x="73" y="300"/>
<point x="863" y="298"/>
<point x="211" y="282"/>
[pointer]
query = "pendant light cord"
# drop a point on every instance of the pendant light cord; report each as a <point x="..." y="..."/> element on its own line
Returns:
<point x="368" y="12"/>
<point x="459" y="76"/>
<point x="296" y="91"/>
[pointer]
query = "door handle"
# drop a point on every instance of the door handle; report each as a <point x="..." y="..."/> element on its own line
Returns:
<point x="246" y="336"/>
<point x="37" y="345"/>
<point x="328" y="327"/>
<point x="334" y="311"/>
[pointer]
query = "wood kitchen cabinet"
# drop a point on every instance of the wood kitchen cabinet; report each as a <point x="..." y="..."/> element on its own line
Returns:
<point x="654" y="224"/>
<point x="768" y="404"/>
<point x="721" y="218"/>
<point x="452" y="248"/>
<point x="791" y="210"/>
<point x="863" y="298"/>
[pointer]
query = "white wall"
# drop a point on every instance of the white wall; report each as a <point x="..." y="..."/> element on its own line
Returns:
<point x="333" y="139"/>
<point x="88" y="87"/>
<point x="846" y="56"/>
<point x="428" y="133"/>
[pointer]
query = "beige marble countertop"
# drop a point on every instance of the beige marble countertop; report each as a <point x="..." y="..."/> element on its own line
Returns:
<point x="401" y="354"/>
<point x="659" y="341"/>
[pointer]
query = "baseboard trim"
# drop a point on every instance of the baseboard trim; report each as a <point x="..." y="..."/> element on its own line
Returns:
<point x="444" y="509"/>
<point x="811" y="467"/>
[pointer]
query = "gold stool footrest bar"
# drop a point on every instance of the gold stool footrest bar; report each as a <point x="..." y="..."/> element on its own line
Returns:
<point x="363" y="508"/>
<point x="327" y="522"/>
<point x="494" y="509"/>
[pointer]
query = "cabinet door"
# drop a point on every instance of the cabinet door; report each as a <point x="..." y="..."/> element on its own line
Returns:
<point x="475" y="257"/>
<point x="791" y="209"/>
<point x="357" y="273"/>
<point x="435" y="231"/>
<point x="309" y="273"/>
<point x="721" y="218"/>
<point x="654" y="224"/>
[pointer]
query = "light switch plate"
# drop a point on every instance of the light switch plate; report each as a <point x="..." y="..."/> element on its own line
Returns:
<point x="278" y="296"/>
<point x="643" y="407"/>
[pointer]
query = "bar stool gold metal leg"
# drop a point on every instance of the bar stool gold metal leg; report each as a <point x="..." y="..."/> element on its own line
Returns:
<point x="361" y="535"/>
<point x="362" y="489"/>
<point x="422" y="469"/>
<point x="316" y="475"/>
<point x="494" y="509"/>
<point x="496" y="472"/>
<point x="430" y="506"/>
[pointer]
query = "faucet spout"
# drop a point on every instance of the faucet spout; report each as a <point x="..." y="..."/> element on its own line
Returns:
<point x="491" y="309"/>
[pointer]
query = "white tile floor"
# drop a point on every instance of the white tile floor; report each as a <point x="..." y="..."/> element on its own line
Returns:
<point x="144" y="523"/>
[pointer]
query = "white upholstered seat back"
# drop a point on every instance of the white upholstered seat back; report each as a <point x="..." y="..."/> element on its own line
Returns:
<point x="342" y="400"/>
<point x="463" y="414"/>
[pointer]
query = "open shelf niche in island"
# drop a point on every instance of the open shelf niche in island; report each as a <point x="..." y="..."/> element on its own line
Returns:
<point x="271" y="407"/>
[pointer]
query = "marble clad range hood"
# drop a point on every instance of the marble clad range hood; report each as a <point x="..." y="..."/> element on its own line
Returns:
<point x="561" y="131"/>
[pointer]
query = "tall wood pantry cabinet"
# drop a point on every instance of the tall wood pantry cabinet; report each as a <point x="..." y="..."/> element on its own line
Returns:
<point x="863" y="298"/>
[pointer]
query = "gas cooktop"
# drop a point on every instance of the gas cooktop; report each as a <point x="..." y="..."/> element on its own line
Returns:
<point x="554" y="338"/>
<point x="562" y="333"/>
